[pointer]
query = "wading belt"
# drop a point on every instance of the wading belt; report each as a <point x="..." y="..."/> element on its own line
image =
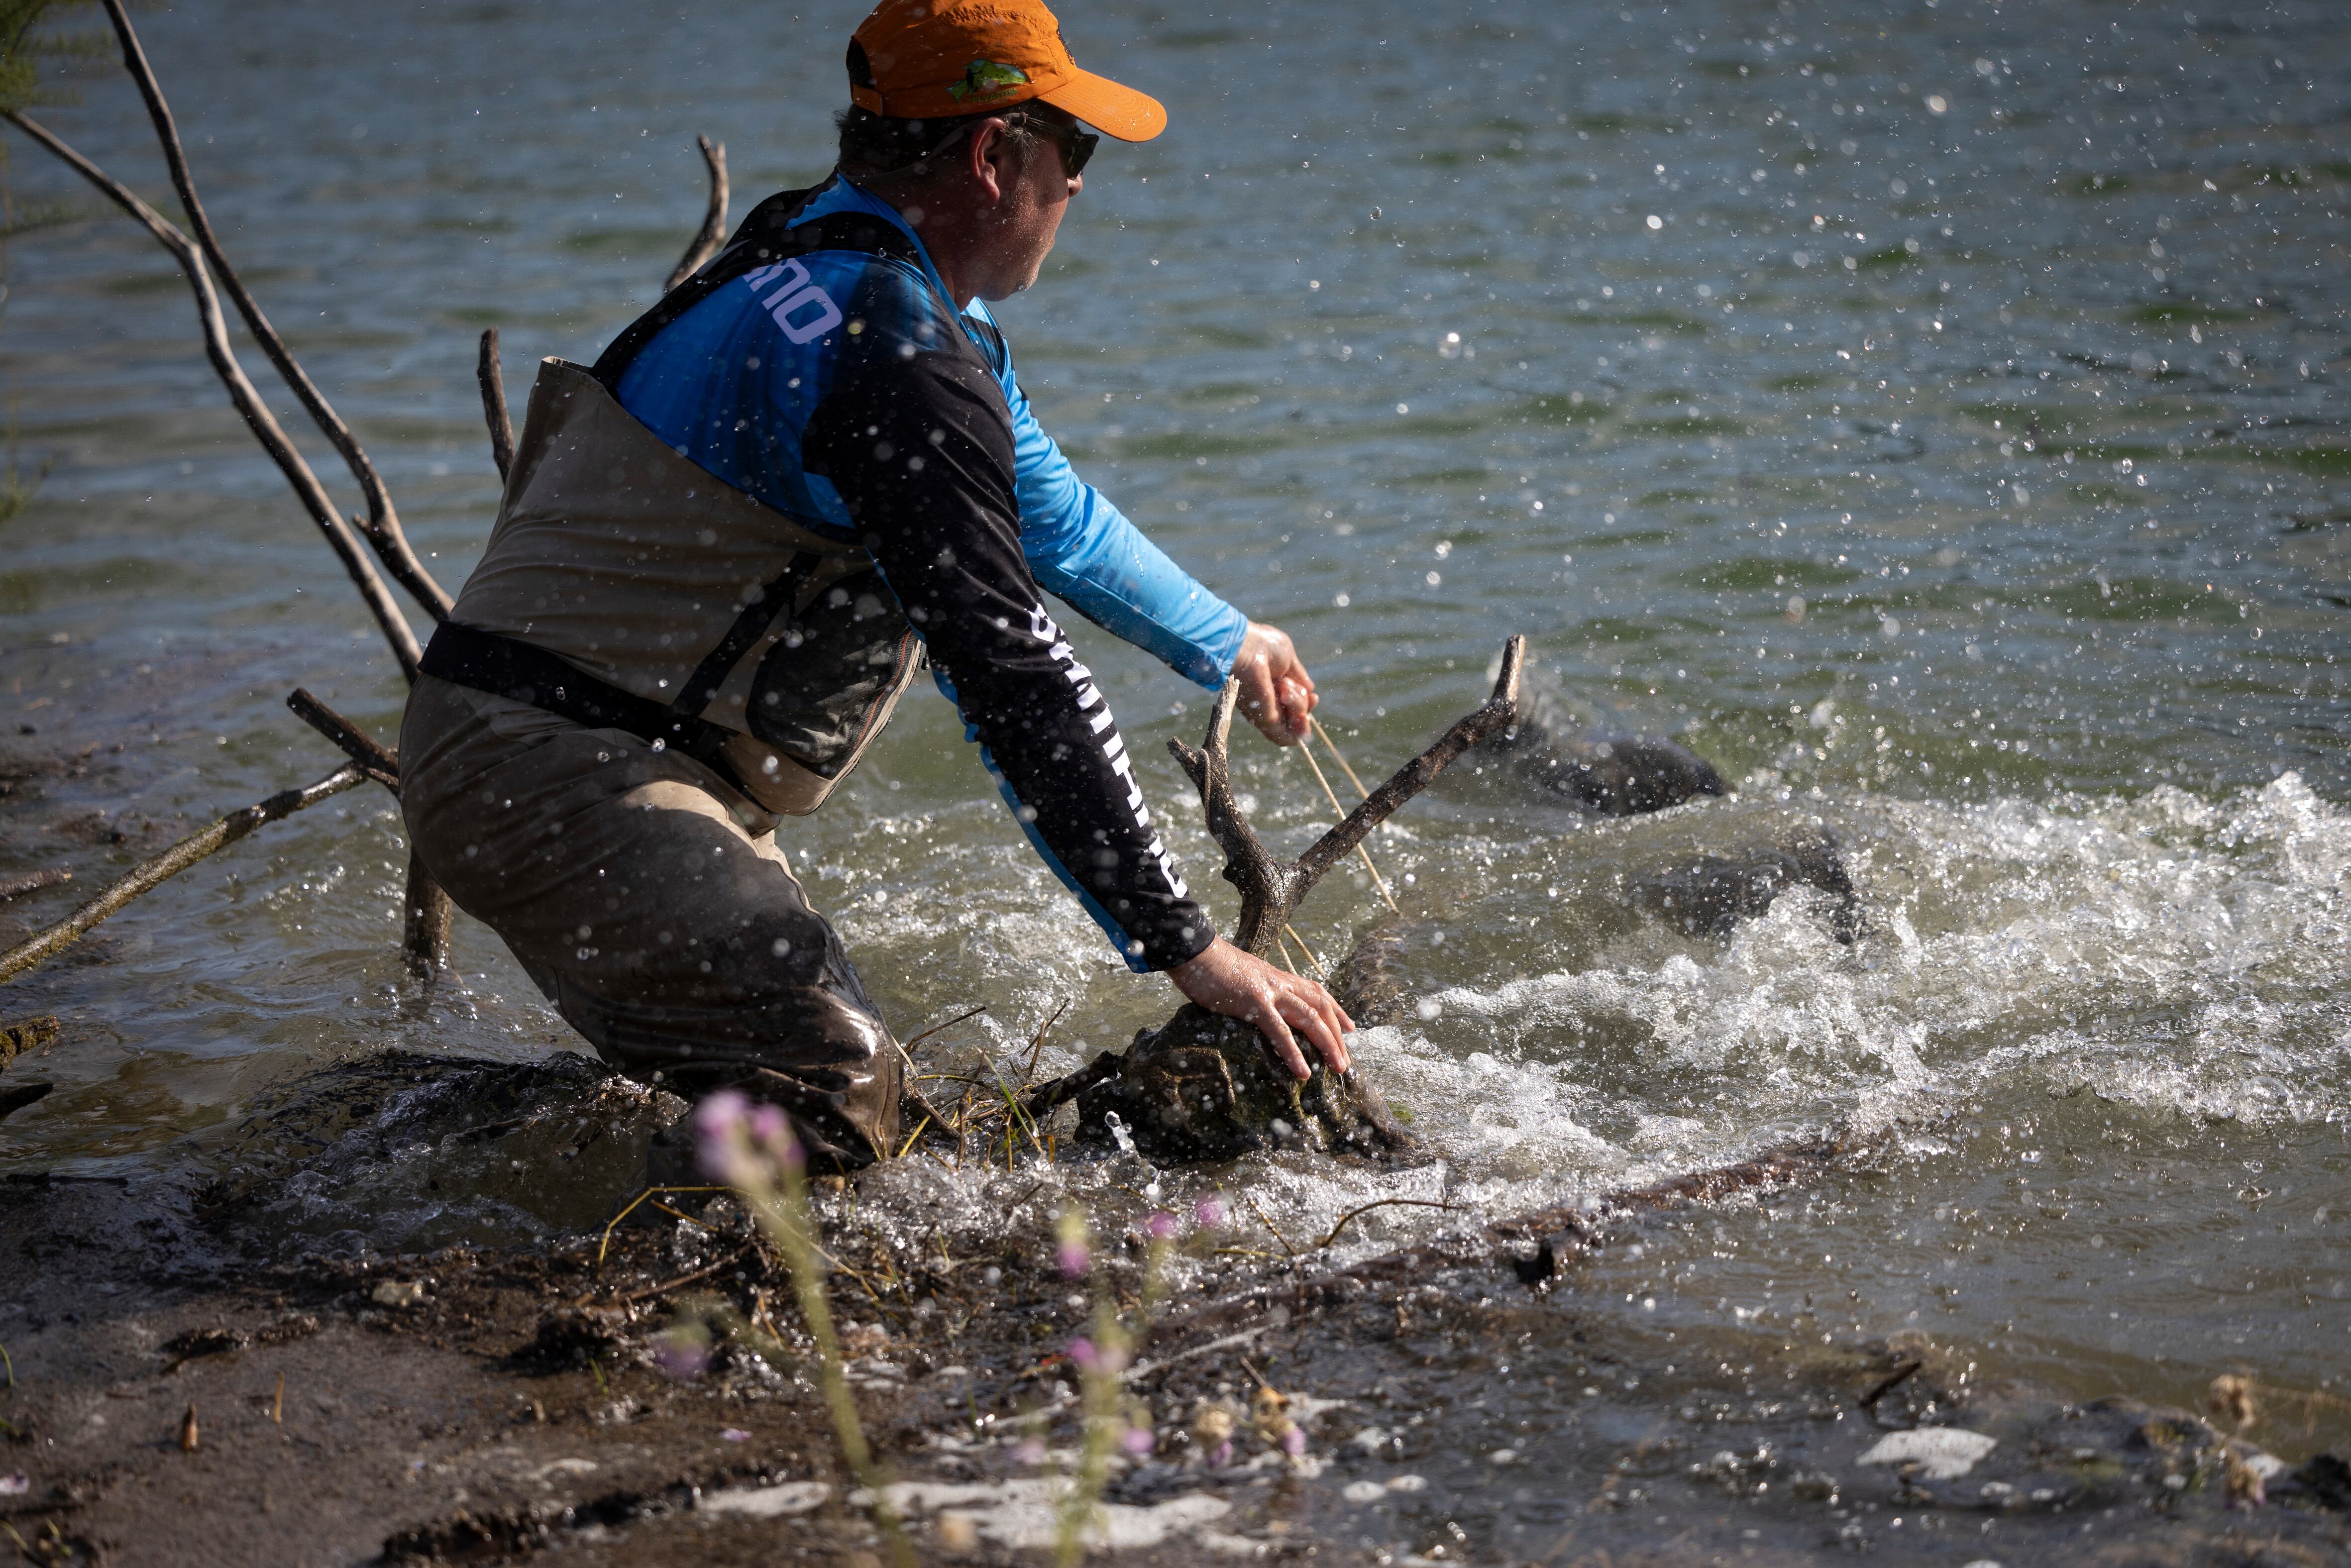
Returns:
<point x="507" y="667"/>
<point x="520" y="673"/>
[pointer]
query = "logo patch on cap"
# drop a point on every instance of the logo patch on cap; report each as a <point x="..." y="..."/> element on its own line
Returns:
<point x="986" y="80"/>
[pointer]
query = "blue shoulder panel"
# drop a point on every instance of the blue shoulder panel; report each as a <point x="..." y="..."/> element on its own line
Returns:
<point x="731" y="383"/>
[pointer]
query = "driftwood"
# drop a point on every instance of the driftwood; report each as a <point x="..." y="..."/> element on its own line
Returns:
<point x="258" y="417"/>
<point x="26" y="1034"/>
<point x="16" y="1039"/>
<point x="198" y="251"/>
<point x="380" y="765"/>
<point x="153" y="873"/>
<point x="714" y="222"/>
<point x="33" y="882"/>
<point x="1271" y="889"/>
<point x="199" y="257"/>
<point x="381" y="525"/>
<point x="1535" y="1247"/>
<point x="1202" y="1087"/>
<point x="494" y="402"/>
<point x="427" y="915"/>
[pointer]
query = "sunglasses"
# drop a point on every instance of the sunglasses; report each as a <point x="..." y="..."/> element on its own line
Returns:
<point x="1076" y="147"/>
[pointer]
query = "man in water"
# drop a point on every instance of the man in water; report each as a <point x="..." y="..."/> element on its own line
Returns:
<point x="725" y="551"/>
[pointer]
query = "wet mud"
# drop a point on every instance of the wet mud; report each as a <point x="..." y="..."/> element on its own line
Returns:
<point x="200" y="1377"/>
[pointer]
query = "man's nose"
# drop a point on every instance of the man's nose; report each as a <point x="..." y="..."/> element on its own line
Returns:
<point x="1077" y="183"/>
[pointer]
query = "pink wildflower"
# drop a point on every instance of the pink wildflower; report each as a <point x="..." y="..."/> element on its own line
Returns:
<point x="1071" y="1250"/>
<point x="1209" y="1213"/>
<point x="681" y="1357"/>
<point x="1293" y="1442"/>
<point x="1161" y="1225"/>
<point x="720" y="1149"/>
<point x="1137" y="1441"/>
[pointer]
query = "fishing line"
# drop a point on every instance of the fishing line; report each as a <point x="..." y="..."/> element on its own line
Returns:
<point x="1307" y="751"/>
<point x="1312" y="957"/>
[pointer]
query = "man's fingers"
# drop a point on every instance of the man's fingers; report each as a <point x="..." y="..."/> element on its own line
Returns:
<point x="1270" y="1023"/>
<point x="1318" y="1015"/>
<point x="1297" y="701"/>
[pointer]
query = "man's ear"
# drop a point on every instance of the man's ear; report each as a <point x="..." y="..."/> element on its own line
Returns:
<point x="989" y="160"/>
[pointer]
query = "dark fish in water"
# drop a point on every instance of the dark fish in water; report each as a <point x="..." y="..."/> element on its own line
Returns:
<point x="1713" y="893"/>
<point x="1604" y="774"/>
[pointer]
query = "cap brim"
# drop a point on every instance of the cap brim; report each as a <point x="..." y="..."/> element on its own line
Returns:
<point x="1112" y="109"/>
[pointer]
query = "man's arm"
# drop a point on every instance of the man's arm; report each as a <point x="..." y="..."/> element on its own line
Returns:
<point x="919" y="450"/>
<point x="1084" y="549"/>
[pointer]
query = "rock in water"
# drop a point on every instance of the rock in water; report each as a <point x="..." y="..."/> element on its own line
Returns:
<point x="1714" y="893"/>
<point x="1605" y="775"/>
<point x="1201" y="1087"/>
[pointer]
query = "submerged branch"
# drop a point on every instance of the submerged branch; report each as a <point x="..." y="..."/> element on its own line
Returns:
<point x="494" y="402"/>
<point x="381" y="525"/>
<point x="33" y="882"/>
<point x="1269" y="888"/>
<point x="713" y="222"/>
<point x="427" y="915"/>
<point x="264" y="424"/>
<point x="154" y="873"/>
<point x="425" y="923"/>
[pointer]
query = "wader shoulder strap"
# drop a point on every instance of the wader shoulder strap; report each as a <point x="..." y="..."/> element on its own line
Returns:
<point x="767" y="235"/>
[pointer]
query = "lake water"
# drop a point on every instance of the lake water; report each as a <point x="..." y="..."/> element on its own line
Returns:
<point x="1931" y="414"/>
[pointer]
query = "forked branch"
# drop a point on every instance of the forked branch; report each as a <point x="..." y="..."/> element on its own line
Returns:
<point x="1270" y="888"/>
<point x="714" y="222"/>
<point x="258" y="417"/>
<point x="1501" y="711"/>
<point x="1263" y="881"/>
<point x="381" y="525"/>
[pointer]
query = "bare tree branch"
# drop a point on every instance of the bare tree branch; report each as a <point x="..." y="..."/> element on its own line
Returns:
<point x="1249" y="866"/>
<point x="264" y="424"/>
<point x="424" y="927"/>
<point x="382" y="526"/>
<point x="714" y="222"/>
<point x="427" y="913"/>
<point x="355" y="743"/>
<point x="1499" y="713"/>
<point x="1269" y="888"/>
<point x="494" y="402"/>
<point x="18" y="886"/>
<point x="153" y="873"/>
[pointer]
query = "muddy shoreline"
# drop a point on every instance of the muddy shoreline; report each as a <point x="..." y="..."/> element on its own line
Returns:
<point x="474" y="1404"/>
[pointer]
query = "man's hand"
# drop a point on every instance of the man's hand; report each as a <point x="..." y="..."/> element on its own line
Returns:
<point x="1226" y="980"/>
<point x="1276" y="693"/>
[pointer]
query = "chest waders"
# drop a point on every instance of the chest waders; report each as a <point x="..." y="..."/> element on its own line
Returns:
<point x="648" y="666"/>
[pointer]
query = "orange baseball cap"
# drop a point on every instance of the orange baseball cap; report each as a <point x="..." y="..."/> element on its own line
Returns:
<point x="935" y="59"/>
